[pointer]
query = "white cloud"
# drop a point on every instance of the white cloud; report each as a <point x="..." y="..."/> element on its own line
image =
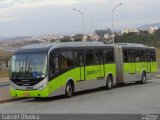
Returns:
<point x="41" y="3"/>
<point x="6" y="19"/>
<point x="10" y="7"/>
<point x="34" y="13"/>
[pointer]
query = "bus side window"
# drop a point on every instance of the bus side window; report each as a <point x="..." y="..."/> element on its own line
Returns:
<point x="98" y="57"/>
<point x="101" y="56"/>
<point x="78" y="56"/>
<point x="66" y="59"/>
<point x="150" y="56"/>
<point x="131" y="56"/>
<point x="89" y="57"/>
<point x="81" y="60"/>
<point x="70" y="59"/>
<point x="62" y="62"/>
<point x="109" y="56"/>
<point x="54" y="67"/>
<point x="153" y="56"/>
<point x="139" y="54"/>
<point x="147" y="56"/>
<point x="125" y="55"/>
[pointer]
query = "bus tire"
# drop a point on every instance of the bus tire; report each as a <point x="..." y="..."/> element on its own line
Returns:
<point x="69" y="90"/>
<point x="143" y="78"/>
<point x="109" y="82"/>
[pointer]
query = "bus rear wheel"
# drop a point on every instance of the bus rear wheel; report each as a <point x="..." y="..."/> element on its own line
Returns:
<point x="69" y="90"/>
<point x="109" y="82"/>
<point x="143" y="78"/>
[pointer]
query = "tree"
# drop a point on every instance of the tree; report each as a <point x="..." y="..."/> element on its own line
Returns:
<point x="101" y="33"/>
<point x="142" y="37"/>
<point x="78" y="37"/>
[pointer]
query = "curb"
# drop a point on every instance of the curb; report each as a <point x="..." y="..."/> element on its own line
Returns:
<point x="11" y="100"/>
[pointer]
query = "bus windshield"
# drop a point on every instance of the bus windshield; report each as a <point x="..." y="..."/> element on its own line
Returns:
<point x="28" y="66"/>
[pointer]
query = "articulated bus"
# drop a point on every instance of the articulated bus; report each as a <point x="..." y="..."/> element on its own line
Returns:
<point x="45" y="70"/>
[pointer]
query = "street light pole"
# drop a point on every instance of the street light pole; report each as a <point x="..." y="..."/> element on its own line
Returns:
<point x="83" y="20"/>
<point x="113" y="20"/>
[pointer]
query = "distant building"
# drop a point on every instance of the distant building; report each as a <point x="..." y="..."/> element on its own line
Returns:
<point x="91" y="37"/>
<point x="72" y="37"/>
<point x="106" y="36"/>
<point x="152" y="29"/>
<point x="96" y="37"/>
<point x="47" y="38"/>
<point x="126" y="31"/>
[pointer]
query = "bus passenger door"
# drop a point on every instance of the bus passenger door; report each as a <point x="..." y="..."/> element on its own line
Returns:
<point x="99" y="63"/>
<point x="82" y="69"/>
<point x="153" y="62"/>
<point x="79" y="63"/>
<point x="90" y="67"/>
<point x="151" y="58"/>
<point x="148" y="64"/>
<point x="131" y="60"/>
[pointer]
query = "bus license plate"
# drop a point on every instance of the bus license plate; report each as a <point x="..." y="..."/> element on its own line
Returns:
<point x="26" y="94"/>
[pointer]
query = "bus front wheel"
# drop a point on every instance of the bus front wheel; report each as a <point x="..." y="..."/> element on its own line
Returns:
<point x="69" y="89"/>
<point x="109" y="82"/>
<point x="143" y="78"/>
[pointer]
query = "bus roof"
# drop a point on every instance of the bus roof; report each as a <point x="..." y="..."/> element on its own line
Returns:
<point x="44" y="47"/>
<point x="63" y="44"/>
<point x="79" y="44"/>
<point x="133" y="45"/>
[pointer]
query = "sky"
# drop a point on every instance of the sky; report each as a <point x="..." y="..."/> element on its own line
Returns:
<point x="46" y="17"/>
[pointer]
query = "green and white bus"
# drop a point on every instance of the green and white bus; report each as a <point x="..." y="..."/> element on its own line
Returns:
<point x="45" y="70"/>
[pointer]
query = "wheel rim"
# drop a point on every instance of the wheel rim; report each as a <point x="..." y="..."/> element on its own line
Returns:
<point x="109" y="83"/>
<point x="69" y="90"/>
<point x="144" y="79"/>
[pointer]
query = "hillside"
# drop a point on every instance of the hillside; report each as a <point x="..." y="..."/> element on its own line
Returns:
<point x="146" y="27"/>
<point x="5" y="53"/>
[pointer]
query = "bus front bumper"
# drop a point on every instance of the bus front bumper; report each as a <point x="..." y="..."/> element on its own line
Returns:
<point x="29" y="93"/>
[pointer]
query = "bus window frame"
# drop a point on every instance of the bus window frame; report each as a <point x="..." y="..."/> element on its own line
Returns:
<point x="143" y="50"/>
<point x="125" y="61"/>
<point x="100" y="62"/>
<point x="127" y="50"/>
<point x="146" y="59"/>
<point x="142" y="56"/>
<point x="67" y="50"/>
<point x="85" y="53"/>
<point x="79" y="63"/>
<point x="154" y="51"/>
<point x="104" y="55"/>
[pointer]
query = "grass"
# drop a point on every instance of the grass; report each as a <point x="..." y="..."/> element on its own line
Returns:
<point x="5" y="53"/>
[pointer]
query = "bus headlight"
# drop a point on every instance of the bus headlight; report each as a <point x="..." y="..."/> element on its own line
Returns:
<point x="42" y="87"/>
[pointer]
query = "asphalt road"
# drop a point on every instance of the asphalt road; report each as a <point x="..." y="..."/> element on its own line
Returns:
<point x="128" y="99"/>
